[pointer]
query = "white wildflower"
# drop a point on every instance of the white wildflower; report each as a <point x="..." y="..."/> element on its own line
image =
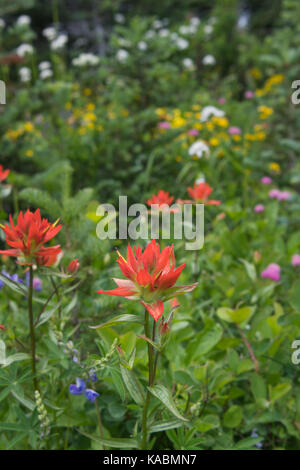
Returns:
<point x="142" y="46"/>
<point x="208" y="111"/>
<point x="2" y="23"/>
<point x="24" y="49"/>
<point x="23" y="20"/>
<point x="208" y="29"/>
<point x="199" y="148"/>
<point x="164" y="32"/>
<point x="85" y="59"/>
<point x="208" y="60"/>
<point x="44" y="65"/>
<point x="182" y="43"/>
<point x="122" y="55"/>
<point x="25" y="74"/>
<point x="59" y="42"/>
<point x="188" y="63"/>
<point x="47" y="73"/>
<point x="50" y="33"/>
<point x="119" y="18"/>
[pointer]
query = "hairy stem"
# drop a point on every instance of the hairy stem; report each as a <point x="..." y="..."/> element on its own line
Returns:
<point x="248" y="346"/>
<point x="31" y="327"/>
<point x="152" y="361"/>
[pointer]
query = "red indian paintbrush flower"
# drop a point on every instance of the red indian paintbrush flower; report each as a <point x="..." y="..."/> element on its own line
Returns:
<point x="160" y="198"/>
<point x="73" y="266"/>
<point x="151" y="277"/>
<point x="2" y="327"/>
<point x="200" y="193"/>
<point x="27" y="239"/>
<point x="3" y="173"/>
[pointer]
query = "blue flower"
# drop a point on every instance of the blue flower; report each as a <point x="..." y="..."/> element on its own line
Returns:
<point x="91" y="395"/>
<point x="93" y="375"/>
<point x="79" y="388"/>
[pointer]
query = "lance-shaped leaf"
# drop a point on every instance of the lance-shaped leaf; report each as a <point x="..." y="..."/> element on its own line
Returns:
<point x="120" y="443"/>
<point x="164" y="395"/>
<point x="127" y="318"/>
<point x="132" y="384"/>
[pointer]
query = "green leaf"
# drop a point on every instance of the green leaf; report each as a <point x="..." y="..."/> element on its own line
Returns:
<point x="234" y="316"/>
<point x="2" y="352"/>
<point x="13" y="285"/>
<point x="164" y="395"/>
<point x="165" y="425"/>
<point x="47" y="315"/>
<point x="279" y="391"/>
<point x="121" y="443"/>
<point x="127" y="318"/>
<point x="14" y="358"/>
<point x="247" y="443"/>
<point x="294" y="296"/>
<point x="250" y="268"/>
<point x="132" y="384"/>
<point x="258" y="387"/>
<point x="233" y="416"/>
<point x="204" y="341"/>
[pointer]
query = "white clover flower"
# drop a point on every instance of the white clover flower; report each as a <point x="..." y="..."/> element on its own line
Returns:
<point x="47" y="73"/>
<point x="24" y="49"/>
<point x="119" y="18"/>
<point x="2" y="23"/>
<point x="199" y="148"/>
<point x="188" y="63"/>
<point x="208" y="111"/>
<point x="23" y="20"/>
<point x="44" y="65"/>
<point x="122" y="55"/>
<point x="85" y="59"/>
<point x="25" y="74"/>
<point x="182" y="43"/>
<point x="208" y="29"/>
<point x="208" y="60"/>
<point x="50" y="33"/>
<point x="59" y="42"/>
<point x="142" y="45"/>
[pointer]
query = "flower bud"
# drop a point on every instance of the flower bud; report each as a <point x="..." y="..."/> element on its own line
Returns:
<point x="2" y="327"/>
<point x="73" y="266"/>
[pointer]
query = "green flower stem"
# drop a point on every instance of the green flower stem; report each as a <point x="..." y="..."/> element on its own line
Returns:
<point x="99" y="422"/>
<point x="152" y="361"/>
<point x="31" y="326"/>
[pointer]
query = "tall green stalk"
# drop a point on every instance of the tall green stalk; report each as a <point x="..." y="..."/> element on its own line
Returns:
<point x="31" y="327"/>
<point x="152" y="362"/>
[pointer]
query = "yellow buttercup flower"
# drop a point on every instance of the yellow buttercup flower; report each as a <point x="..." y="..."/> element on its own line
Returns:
<point x="29" y="153"/>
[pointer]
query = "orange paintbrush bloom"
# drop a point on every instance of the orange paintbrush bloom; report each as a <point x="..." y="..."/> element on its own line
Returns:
<point x="3" y="173"/>
<point x="28" y="237"/>
<point x="160" y="198"/>
<point x="200" y="193"/>
<point x="151" y="277"/>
